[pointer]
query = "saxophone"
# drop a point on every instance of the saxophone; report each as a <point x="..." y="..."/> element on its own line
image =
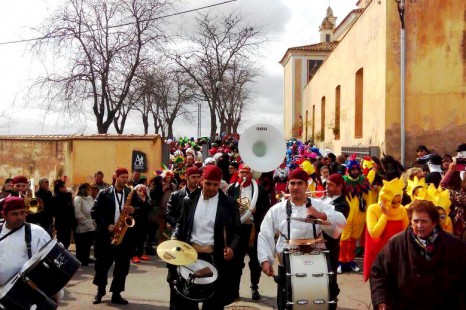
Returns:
<point x="243" y="202"/>
<point x="125" y="221"/>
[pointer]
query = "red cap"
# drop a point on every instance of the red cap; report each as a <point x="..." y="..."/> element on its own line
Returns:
<point x="121" y="171"/>
<point x="20" y="179"/>
<point x="338" y="180"/>
<point x="212" y="173"/>
<point x="244" y="167"/>
<point x="299" y="174"/>
<point x="12" y="203"/>
<point x="192" y="170"/>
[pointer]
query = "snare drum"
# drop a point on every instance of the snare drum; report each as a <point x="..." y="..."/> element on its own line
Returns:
<point x="196" y="289"/>
<point x="51" y="268"/>
<point x="17" y="294"/>
<point x="308" y="278"/>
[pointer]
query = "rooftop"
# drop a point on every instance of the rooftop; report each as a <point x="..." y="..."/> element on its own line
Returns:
<point x="77" y="137"/>
<point x="318" y="47"/>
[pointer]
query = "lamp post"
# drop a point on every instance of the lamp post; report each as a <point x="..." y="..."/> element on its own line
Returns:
<point x="401" y="12"/>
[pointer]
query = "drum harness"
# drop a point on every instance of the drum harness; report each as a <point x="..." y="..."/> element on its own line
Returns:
<point x="27" y="236"/>
<point x="288" y="219"/>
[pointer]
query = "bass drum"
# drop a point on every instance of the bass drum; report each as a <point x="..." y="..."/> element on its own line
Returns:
<point x="308" y="278"/>
<point x="17" y="294"/>
<point x="196" y="289"/>
<point x="51" y="268"/>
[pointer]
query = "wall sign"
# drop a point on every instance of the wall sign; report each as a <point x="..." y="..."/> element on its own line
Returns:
<point x="139" y="161"/>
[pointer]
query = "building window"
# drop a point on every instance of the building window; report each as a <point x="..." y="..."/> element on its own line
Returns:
<point x="312" y="67"/>
<point x="327" y="38"/>
<point x="359" y="104"/>
<point x="336" y="126"/>
<point x="322" y="119"/>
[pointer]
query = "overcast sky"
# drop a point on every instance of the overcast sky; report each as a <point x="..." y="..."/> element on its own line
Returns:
<point x="287" y="22"/>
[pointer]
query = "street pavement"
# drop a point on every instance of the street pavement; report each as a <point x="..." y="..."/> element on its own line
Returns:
<point x="146" y="288"/>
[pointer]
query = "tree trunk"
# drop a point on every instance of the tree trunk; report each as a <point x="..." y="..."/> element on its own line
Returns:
<point x="170" y="130"/>
<point x="145" y="123"/>
<point x="213" y="124"/>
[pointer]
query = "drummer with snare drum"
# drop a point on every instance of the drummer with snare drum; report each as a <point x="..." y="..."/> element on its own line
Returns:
<point x="210" y="223"/>
<point x="18" y="240"/>
<point x="294" y="219"/>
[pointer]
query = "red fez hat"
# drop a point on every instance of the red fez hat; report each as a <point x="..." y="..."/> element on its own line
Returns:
<point x="212" y="173"/>
<point x="338" y="180"/>
<point x="299" y="174"/>
<point x="20" y="179"/>
<point x="121" y="171"/>
<point x="244" y="167"/>
<point x="192" y="170"/>
<point x="12" y="203"/>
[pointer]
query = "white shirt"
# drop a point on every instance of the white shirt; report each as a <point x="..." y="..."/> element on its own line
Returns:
<point x="118" y="206"/>
<point x="13" y="251"/>
<point x="275" y="221"/>
<point x="204" y="220"/>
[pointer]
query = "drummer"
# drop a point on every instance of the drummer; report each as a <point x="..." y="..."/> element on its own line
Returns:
<point x="15" y="234"/>
<point x="275" y="221"/>
<point x="210" y="223"/>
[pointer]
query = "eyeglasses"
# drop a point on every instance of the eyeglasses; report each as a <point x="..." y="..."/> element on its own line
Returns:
<point x="443" y="217"/>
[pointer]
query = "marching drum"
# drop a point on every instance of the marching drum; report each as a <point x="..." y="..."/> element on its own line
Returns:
<point x="308" y="276"/>
<point x="196" y="288"/>
<point x="18" y="294"/>
<point x="51" y="268"/>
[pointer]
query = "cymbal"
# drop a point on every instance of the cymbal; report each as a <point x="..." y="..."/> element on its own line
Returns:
<point x="176" y="252"/>
<point x="309" y="241"/>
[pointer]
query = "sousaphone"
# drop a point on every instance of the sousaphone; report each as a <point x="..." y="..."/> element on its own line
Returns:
<point x="262" y="147"/>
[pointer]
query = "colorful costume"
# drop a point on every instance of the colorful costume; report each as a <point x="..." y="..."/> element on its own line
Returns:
<point x="358" y="197"/>
<point x="380" y="226"/>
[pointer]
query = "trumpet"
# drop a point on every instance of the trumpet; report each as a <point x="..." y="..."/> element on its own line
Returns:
<point x="311" y="194"/>
<point x="33" y="204"/>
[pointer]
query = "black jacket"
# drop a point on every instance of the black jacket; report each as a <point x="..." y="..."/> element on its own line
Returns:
<point x="173" y="212"/>
<point x="227" y="218"/>
<point x="103" y="213"/>
<point x="63" y="211"/>
<point x="262" y="205"/>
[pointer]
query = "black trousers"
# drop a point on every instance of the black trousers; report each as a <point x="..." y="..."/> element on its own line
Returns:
<point x="106" y="255"/>
<point x="234" y="268"/>
<point x="64" y="235"/>
<point x="216" y="302"/>
<point x="84" y="242"/>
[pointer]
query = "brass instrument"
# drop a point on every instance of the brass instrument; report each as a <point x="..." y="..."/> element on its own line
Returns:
<point x="243" y="203"/>
<point x="33" y="204"/>
<point x="124" y="222"/>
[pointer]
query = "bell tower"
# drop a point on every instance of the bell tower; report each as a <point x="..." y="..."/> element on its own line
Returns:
<point x="327" y="26"/>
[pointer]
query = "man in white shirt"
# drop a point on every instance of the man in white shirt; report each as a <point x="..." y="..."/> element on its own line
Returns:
<point x="275" y="221"/>
<point x="210" y="223"/>
<point x="13" y="247"/>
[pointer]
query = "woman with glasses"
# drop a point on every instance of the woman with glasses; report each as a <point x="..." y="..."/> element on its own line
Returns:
<point x="142" y="207"/>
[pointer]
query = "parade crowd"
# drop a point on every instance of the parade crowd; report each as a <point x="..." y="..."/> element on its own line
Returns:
<point x="408" y="223"/>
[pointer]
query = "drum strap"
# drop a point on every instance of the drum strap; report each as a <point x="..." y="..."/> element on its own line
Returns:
<point x="10" y="233"/>
<point x="27" y="238"/>
<point x="308" y="204"/>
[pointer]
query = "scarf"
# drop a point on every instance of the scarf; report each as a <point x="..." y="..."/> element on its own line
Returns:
<point x="426" y="246"/>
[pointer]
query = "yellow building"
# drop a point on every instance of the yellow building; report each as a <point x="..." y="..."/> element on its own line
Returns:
<point x="354" y="97"/>
<point x="77" y="157"/>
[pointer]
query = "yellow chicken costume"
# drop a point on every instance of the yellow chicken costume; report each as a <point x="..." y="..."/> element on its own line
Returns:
<point x="381" y="226"/>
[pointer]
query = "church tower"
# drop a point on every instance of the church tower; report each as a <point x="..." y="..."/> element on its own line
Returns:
<point x="327" y="26"/>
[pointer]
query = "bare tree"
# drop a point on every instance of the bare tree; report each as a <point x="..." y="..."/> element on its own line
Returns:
<point x="218" y="42"/>
<point x="102" y="44"/>
<point x="234" y="95"/>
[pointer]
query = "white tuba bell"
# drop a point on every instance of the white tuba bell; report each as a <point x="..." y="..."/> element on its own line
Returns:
<point x="262" y="147"/>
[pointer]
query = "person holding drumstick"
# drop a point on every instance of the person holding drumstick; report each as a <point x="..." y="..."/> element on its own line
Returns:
<point x="210" y="223"/>
<point x="15" y="234"/>
<point x="276" y="221"/>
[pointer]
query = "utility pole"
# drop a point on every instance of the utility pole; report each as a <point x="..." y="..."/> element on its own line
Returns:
<point x="401" y="12"/>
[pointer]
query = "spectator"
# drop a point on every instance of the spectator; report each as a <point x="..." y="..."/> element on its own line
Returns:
<point x="85" y="230"/>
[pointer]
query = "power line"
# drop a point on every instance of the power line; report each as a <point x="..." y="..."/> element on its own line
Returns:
<point x="120" y="25"/>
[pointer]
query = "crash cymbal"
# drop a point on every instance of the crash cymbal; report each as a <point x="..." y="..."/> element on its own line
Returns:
<point x="306" y="241"/>
<point x="176" y="252"/>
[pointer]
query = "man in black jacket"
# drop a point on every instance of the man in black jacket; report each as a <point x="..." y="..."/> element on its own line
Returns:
<point x="254" y="205"/>
<point x="209" y="222"/>
<point x="336" y="196"/>
<point x="173" y="214"/>
<point x="109" y="203"/>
